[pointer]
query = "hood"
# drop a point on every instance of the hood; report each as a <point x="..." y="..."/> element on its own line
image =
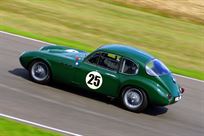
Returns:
<point x="65" y="52"/>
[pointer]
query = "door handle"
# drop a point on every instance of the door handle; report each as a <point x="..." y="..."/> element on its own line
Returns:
<point x="109" y="74"/>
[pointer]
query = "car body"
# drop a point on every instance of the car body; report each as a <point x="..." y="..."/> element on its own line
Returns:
<point x="134" y="76"/>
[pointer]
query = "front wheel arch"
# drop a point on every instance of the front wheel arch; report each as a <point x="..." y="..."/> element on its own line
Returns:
<point x="48" y="65"/>
<point x="37" y="59"/>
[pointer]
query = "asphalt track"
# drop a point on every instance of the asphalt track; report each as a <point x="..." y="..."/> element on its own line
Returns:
<point x="72" y="109"/>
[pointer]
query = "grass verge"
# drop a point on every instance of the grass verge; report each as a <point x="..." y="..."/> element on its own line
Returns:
<point x="191" y="10"/>
<point x="86" y="25"/>
<point x="12" y="128"/>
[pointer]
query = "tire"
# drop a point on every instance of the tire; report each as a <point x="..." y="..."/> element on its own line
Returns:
<point x="40" y="72"/>
<point x="134" y="99"/>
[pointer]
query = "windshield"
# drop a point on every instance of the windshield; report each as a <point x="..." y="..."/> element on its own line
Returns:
<point x="156" y="68"/>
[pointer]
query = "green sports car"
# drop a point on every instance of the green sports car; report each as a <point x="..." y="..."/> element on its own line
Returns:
<point x="134" y="76"/>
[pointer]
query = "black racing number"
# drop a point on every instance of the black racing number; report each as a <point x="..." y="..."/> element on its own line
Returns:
<point x="94" y="79"/>
<point x="97" y="80"/>
<point x="91" y="79"/>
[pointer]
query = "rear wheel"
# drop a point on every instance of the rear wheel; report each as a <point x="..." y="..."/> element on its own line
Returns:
<point x="134" y="99"/>
<point x="40" y="72"/>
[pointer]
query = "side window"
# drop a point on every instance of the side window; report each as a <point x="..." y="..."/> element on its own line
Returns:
<point x="109" y="61"/>
<point x="94" y="58"/>
<point x="128" y="67"/>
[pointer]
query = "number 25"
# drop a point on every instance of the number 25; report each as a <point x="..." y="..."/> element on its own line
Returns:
<point x="94" y="79"/>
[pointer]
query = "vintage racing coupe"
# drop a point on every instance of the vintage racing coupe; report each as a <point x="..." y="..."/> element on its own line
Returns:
<point x="134" y="76"/>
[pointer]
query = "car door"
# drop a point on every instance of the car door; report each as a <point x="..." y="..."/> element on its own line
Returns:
<point x="99" y="72"/>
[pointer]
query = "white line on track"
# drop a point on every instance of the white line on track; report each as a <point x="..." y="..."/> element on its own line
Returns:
<point x="55" y="44"/>
<point x="27" y="38"/>
<point x="202" y="81"/>
<point x="39" y="125"/>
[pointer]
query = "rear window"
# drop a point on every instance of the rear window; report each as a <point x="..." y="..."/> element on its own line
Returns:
<point x="156" y="68"/>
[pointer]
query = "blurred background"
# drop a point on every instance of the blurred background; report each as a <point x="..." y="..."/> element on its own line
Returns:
<point x="172" y="30"/>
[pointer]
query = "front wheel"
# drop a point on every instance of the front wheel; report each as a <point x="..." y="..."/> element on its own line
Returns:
<point x="134" y="99"/>
<point x="40" y="72"/>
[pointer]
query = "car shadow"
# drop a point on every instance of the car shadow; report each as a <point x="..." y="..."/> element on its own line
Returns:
<point x="23" y="73"/>
<point x="155" y="110"/>
<point x="20" y="72"/>
<point x="151" y="110"/>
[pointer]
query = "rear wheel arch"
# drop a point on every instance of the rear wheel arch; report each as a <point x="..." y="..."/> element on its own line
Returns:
<point x="145" y="97"/>
<point x="129" y="86"/>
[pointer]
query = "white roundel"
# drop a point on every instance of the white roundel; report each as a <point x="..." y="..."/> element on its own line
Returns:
<point x="94" y="80"/>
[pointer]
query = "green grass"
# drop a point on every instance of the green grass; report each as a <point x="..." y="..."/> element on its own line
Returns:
<point x="11" y="128"/>
<point x="88" y="24"/>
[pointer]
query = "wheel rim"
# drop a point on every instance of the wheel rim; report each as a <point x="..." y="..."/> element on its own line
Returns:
<point x="39" y="71"/>
<point x="133" y="98"/>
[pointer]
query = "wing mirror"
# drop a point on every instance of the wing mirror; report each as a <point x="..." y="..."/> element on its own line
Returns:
<point x="77" y="58"/>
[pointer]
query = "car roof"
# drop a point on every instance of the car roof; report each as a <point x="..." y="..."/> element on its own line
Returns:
<point x="127" y="51"/>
